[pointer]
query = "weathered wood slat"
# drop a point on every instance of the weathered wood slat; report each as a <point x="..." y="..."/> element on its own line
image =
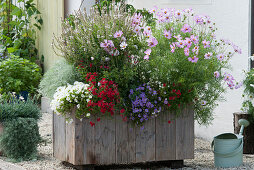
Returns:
<point x="145" y="142"/>
<point x="185" y="135"/>
<point x="59" y="137"/>
<point x="122" y="147"/>
<point x="112" y="141"/>
<point x="88" y="133"/>
<point x="165" y="135"/>
<point x="105" y="144"/>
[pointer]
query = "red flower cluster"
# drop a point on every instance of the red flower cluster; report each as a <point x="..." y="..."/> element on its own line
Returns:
<point x="105" y="94"/>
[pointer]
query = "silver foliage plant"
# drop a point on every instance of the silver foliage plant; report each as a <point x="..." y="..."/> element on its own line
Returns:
<point x="82" y="35"/>
<point x="60" y="74"/>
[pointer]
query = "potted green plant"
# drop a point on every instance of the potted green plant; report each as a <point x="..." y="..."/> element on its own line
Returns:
<point x="152" y="78"/>
<point x="19" y="75"/>
<point x="248" y="113"/>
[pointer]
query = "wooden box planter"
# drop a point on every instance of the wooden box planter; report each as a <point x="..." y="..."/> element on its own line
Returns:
<point x="248" y="133"/>
<point x="117" y="142"/>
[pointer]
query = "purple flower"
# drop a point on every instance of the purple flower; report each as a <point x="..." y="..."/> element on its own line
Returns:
<point x="118" y="34"/>
<point x="216" y="74"/>
<point x="173" y="47"/>
<point x="159" y="98"/>
<point x="147" y="32"/>
<point x="189" y="11"/>
<point x="180" y="44"/>
<point x="206" y="43"/>
<point x="187" y="51"/>
<point x="152" y="42"/>
<point x="228" y="77"/>
<point x="193" y="59"/>
<point x="220" y="57"/>
<point x="195" y="50"/>
<point x="208" y="55"/>
<point x="148" y="51"/>
<point x="146" y="57"/>
<point x="238" y="85"/>
<point x="199" y="19"/>
<point x="165" y="101"/>
<point x="178" y="37"/>
<point x="146" y="110"/>
<point x="137" y="29"/>
<point x="178" y="14"/>
<point x="188" y="42"/>
<point x="104" y="44"/>
<point x="167" y="34"/>
<point x="237" y="49"/>
<point x="194" y="39"/>
<point x="186" y="28"/>
<point x="153" y="10"/>
<point x="231" y="84"/>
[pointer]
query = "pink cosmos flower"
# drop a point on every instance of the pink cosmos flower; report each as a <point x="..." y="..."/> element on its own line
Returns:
<point x="178" y="37"/>
<point x="189" y="11"/>
<point x="186" y="28"/>
<point x="195" y="50"/>
<point x="152" y="42"/>
<point x="148" y="29"/>
<point x="104" y="44"/>
<point x="167" y="18"/>
<point x="193" y="59"/>
<point x="208" y="55"/>
<point x="188" y="42"/>
<point x="216" y="74"/>
<point x="118" y="34"/>
<point x="146" y="57"/>
<point x="153" y="10"/>
<point x="187" y="51"/>
<point x="228" y="77"/>
<point x="237" y="49"/>
<point x="178" y="14"/>
<point x="230" y="84"/>
<point x="194" y="39"/>
<point x="206" y="43"/>
<point x="173" y="47"/>
<point x="220" y="57"/>
<point x="238" y="85"/>
<point x="180" y="44"/>
<point x="148" y="51"/>
<point x="167" y="34"/>
<point x="137" y="29"/>
<point x="199" y="19"/>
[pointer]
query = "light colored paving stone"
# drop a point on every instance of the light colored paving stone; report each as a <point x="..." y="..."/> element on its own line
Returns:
<point x="9" y="166"/>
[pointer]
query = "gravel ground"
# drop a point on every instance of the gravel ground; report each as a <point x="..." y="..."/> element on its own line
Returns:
<point x="203" y="155"/>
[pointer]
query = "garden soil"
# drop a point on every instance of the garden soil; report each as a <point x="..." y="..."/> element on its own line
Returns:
<point x="203" y="154"/>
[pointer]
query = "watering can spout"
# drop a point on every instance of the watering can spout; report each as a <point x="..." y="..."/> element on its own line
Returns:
<point x="243" y="123"/>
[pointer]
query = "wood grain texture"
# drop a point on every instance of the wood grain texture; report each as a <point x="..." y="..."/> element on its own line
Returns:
<point x="105" y="141"/>
<point x="145" y="142"/>
<point x="59" y="143"/>
<point x="112" y="141"/>
<point x="185" y="135"/>
<point x="165" y="137"/>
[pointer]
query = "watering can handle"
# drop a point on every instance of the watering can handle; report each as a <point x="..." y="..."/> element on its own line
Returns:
<point x="229" y="154"/>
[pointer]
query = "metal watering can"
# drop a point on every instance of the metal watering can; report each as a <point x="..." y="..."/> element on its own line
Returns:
<point x="228" y="148"/>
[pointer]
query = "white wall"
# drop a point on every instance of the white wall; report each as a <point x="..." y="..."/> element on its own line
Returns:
<point x="73" y="5"/>
<point x="232" y="19"/>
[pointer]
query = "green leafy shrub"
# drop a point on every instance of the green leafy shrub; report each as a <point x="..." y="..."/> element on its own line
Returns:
<point x="19" y="20"/>
<point x="248" y="104"/>
<point x="14" y="108"/>
<point x="18" y="74"/>
<point x="20" y="139"/>
<point x="60" y="74"/>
